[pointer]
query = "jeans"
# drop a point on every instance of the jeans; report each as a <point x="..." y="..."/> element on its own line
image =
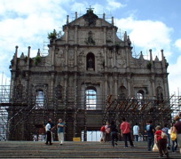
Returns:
<point x="150" y="142"/>
<point x="127" y="137"/>
<point x="136" y="137"/>
<point x="174" y="145"/>
<point x="114" y="137"/>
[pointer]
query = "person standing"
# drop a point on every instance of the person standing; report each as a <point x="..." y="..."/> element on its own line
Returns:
<point x="150" y="133"/>
<point x="52" y="125"/>
<point x="125" y="128"/>
<point x="48" y="133"/>
<point x="102" y="133"/>
<point x="60" y="131"/>
<point x="174" y="142"/>
<point x="107" y="132"/>
<point x="114" y="133"/>
<point x="177" y="129"/>
<point x="136" y="130"/>
<point x="161" y="142"/>
<point x="165" y="130"/>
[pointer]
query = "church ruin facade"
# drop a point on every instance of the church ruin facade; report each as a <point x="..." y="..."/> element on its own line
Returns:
<point x="88" y="77"/>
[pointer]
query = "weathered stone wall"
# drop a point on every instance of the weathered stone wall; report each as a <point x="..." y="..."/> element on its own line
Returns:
<point x="88" y="57"/>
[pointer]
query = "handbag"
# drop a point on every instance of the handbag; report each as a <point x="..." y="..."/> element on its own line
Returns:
<point x="155" y="148"/>
<point x="173" y="136"/>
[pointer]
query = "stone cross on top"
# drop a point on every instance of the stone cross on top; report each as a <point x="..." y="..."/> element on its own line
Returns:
<point x="90" y="9"/>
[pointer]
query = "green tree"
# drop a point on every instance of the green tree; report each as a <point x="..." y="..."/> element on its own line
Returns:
<point x="52" y="35"/>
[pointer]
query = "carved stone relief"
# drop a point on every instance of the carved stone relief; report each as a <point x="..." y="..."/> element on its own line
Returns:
<point x="60" y="60"/>
<point x="71" y="58"/>
<point x="80" y="60"/>
<point x="121" y="61"/>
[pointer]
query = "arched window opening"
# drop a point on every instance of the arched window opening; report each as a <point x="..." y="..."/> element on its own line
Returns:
<point x="90" y="99"/>
<point x="90" y="60"/>
<point x="39" y="99"/>
<point x="140" y="98"/>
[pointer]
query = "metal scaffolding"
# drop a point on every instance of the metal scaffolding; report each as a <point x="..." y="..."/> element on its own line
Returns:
<point x="73" y="108"/>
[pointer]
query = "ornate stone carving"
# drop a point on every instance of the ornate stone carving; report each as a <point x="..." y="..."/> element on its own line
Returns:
<point x="90" y="18"/>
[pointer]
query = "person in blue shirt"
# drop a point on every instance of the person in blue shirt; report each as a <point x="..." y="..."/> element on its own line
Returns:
<point x="150" y="132"/>
<point x="60" y="131"/>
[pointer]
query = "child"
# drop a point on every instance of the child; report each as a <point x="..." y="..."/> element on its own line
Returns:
<point x="102" y="133"/>
<point x="161" y="142"/>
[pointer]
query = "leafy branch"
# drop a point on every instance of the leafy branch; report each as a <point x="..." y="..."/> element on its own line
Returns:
<point x="52" y="35"/>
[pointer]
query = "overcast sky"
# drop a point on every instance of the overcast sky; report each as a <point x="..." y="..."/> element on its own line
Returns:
<point x="151" y="24"/>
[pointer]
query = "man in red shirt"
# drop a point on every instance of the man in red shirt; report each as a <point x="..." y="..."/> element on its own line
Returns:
<point x="161" y="142"/>
<point x="125" y="128"/>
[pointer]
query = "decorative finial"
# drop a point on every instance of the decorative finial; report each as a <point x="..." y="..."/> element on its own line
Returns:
<point x="90" y="9"/>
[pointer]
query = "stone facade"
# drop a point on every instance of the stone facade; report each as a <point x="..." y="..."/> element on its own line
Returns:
<point x="83" y="67"/>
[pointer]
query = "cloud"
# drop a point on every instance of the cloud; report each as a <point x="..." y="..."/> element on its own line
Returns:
<point x="178" y="44"/>
<point x="174" y="77"/>
<point x="113" y="5"/>
<point x="147" y="34"/>
<point x="27" y="23"/>
<point x="155" y="35"/>
<point x="79" y="7"/>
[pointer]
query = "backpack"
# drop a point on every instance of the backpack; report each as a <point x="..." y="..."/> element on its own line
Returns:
<point x="103" y="128"/>
<point x="163" y="135"/>
<point x="108" y="130"/>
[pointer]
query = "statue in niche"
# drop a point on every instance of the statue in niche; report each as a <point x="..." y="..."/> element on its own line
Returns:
<point x="90" y="63"/>
<point x="58" y="92"/>
<point x="60" y="53"/>
<point x="90" y="39"/>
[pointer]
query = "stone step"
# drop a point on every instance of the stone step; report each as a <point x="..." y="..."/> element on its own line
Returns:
<point x="30" y="149"/>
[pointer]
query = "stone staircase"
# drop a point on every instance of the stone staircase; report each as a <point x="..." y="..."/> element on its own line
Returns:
<point x="30" y="149"/>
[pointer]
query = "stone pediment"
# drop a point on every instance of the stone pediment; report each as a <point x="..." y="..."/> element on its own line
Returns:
<point x="90" y="18"/>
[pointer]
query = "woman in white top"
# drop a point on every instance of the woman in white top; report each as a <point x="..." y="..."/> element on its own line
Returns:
<point x="136" y="130"/>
